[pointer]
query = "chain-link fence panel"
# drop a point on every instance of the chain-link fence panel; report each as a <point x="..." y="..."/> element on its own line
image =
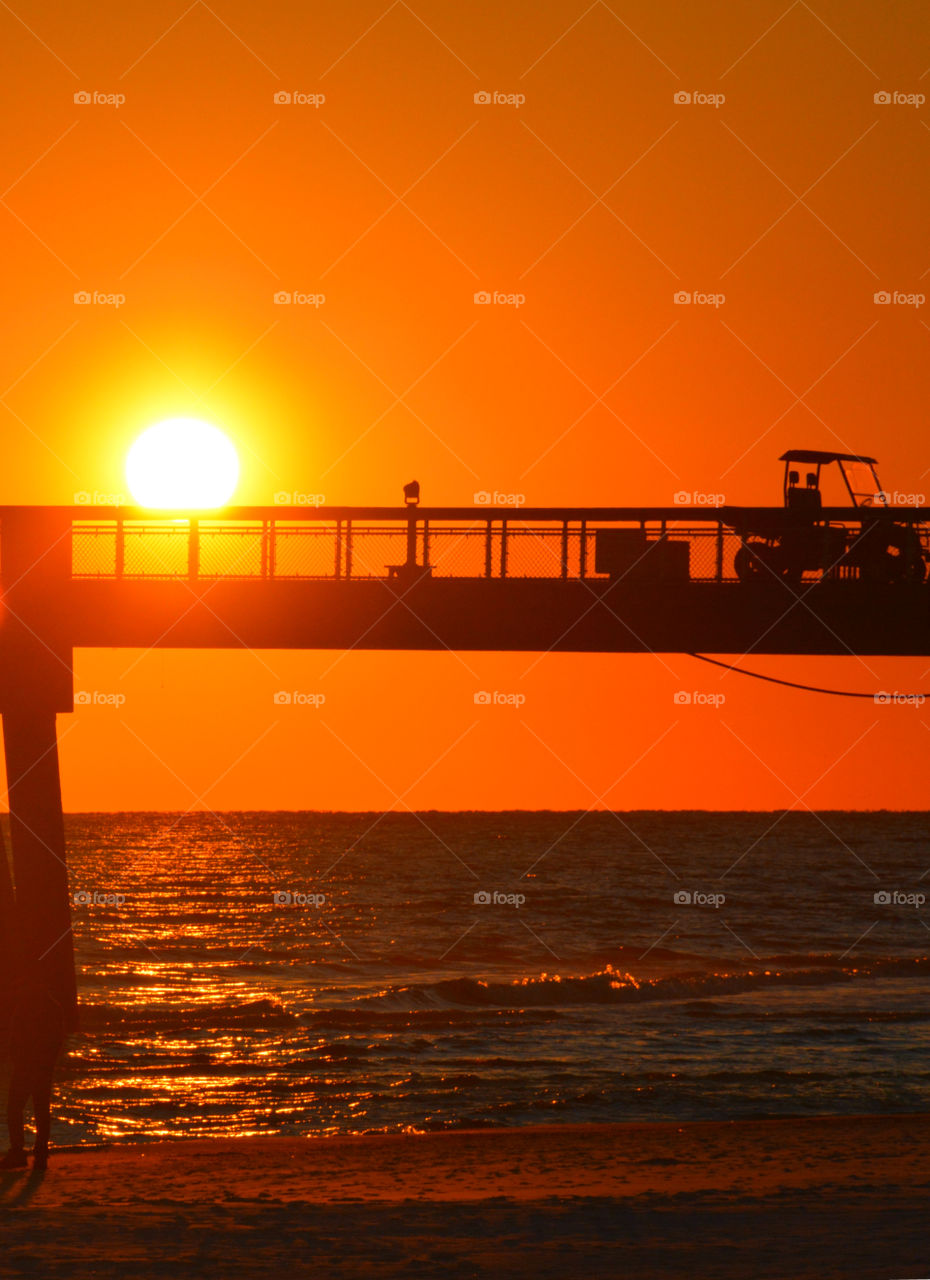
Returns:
<point x="374" y="550"/>
<point x="304" y="550"/>
<point x="461" y="551"/>
<point x="156" y="551"/>
<point x="93" y="551"/>
<point x="231" y="551"/>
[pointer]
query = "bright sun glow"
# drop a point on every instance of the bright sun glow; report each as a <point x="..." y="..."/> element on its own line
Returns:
<point x="182" y="463"/>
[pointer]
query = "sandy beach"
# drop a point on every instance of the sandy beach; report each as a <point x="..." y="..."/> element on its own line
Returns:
<point x="776" y="1198"/>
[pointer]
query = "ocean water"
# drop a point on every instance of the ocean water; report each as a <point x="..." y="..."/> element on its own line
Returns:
<point x="303" y="973"/>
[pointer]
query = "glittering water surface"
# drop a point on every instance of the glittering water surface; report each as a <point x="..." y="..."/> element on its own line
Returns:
<point x="304" y="973"/>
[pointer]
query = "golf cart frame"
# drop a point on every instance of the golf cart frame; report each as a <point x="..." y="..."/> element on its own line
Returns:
<point x="872" y="545"/>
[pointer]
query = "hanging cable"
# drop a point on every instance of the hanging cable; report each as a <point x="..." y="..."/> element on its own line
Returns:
<point x="792" y="684"/>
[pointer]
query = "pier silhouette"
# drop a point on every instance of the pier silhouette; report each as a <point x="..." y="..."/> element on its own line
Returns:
<point x="680" y="579"/>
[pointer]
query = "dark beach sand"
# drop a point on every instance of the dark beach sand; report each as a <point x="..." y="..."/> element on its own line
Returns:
<point x="790" y="1199"/>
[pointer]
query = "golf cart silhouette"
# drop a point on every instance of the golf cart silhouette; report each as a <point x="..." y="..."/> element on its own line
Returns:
<point x="875" y="545"/>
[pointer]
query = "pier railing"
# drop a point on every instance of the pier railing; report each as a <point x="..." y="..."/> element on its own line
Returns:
<point x="697" y="545"/>
<point x="354" y="546"/>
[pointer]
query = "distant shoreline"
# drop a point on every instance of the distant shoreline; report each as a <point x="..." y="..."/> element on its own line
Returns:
<point x="408" y="813"/>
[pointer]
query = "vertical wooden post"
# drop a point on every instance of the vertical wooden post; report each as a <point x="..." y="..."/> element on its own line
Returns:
<point x="36" y="682"/>
<point x="37" y="834"/>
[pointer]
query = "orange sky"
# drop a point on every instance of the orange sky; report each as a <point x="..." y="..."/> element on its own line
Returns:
<point x="398" y="198"/>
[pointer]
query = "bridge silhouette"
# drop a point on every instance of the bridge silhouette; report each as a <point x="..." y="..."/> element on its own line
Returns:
<point x="605" y="580"/>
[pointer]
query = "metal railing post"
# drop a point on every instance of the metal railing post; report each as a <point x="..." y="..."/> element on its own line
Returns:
<point x="488" y="548"/>
<point x="193" y="549"/>
<point x="503" y="548"/>
<point x="120" y="556"/>
<point x="564" y="548"/>
<point x="583" y="558"/>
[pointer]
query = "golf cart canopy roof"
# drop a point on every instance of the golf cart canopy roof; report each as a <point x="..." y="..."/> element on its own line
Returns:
<point x="815" y="456"/>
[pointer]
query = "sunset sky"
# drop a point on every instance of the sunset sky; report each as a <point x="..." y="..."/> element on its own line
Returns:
<point x="586" y="191"/>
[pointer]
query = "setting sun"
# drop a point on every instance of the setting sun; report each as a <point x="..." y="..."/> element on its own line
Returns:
<point x="182" y="463"/>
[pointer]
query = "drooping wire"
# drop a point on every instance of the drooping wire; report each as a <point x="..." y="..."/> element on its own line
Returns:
<point x="793" y="684"/>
